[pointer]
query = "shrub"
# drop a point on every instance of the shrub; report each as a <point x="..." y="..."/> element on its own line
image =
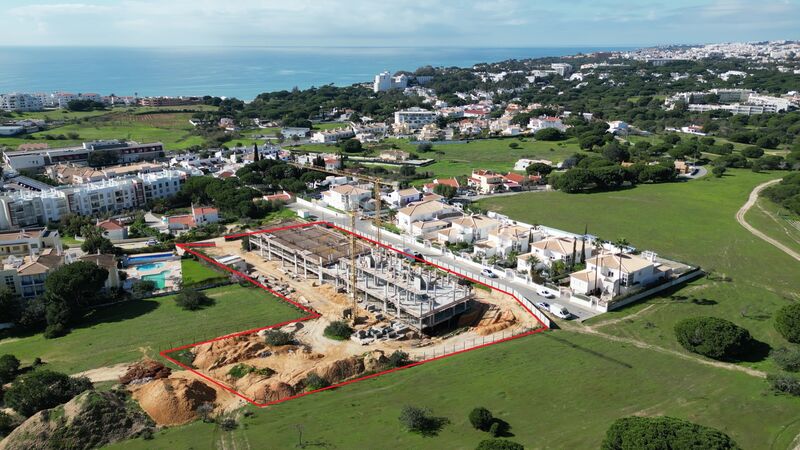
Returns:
<point x="787" y="322"/>
<point x="783" y="383"/>
<point x="191" y="300"/>
<point x="494" y="430"/>
<point x="9" y="366"/>
<point x="240" y="370"/>
<point x="481" y="418"/>
<point x="752" y="152"/>
<point x="420" y="420"/>
<point x="787" y="358"/>
<point x="424" y="148"/>
<point x="398" y="358"/>
<point x="662" y="433"/>
<point x="42" y="390"/>
<point x="338" y="330"/>
<point x="499" y="444"/>
<point x="277" y="338"/>
<point x="513" y="145"/>
<point x="228" y="424"/>
<point x="143" y="288"/>
<point x="7" y="423"/>
<point x="712" y="337"/>
<point x="314" y="382"/>
<point x="719" y="171"/>
<point x="549" y="134"/>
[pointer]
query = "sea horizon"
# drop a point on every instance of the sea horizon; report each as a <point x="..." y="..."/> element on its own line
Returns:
<point x="234" y="71"/>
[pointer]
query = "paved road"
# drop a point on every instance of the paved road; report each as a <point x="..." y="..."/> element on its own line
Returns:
<point x="746" y="207"/>
<point x="365" y="228"/>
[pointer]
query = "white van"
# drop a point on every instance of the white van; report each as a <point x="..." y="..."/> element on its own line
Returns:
<point x="560" y="311"/>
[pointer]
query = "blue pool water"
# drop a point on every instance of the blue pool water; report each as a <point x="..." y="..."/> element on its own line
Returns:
<point x="147" y="258"/>
<point x="149" y="266"/>
<point x="160" y="279"/>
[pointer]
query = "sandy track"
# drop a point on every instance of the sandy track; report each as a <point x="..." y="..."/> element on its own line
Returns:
<point x="746" y="207"/>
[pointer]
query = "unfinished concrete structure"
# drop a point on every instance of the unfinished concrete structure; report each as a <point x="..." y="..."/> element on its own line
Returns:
<point x="308" y="250"/>
<point x="417" y="295"/>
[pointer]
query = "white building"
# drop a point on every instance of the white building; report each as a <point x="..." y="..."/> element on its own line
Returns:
<point x="401" y="197"/>
<point x="423" y="211"/>
<point x="346" y="197"/>
<point x="503" y="241"/>
<point x="332" y="136"/>
<point x="523" y="163"/>
<point x="546" y="122"/>
<point x="468" y="229"/>
<point x="414" y="118"/>
<point x="613" y="274"/>
<point x="29" y="208"/>
<point x="16" y="101"/>
<point x="384" y="81"/>
<point x="552" y="249"/>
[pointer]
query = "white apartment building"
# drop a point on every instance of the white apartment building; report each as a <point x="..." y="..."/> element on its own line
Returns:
<point x="414" y="118"/>
<point x="28" y="208"/>
<point x="19" y="102"/>
<point x="384" y="81"/>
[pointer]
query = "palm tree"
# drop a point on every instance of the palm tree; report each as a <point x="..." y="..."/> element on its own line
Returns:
<point x="620" y="243"/>
<point x="534" y="261"/>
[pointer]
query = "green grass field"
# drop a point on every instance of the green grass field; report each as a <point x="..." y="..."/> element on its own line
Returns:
<point x="557" y="390"/>
<point x="495" y="154"/>
<point x="194" y="272"/>
<point x="128" y="331"/>
<point x="143" y="125"/>
<point x="689" y="221"/>
<point x="776" y="222"/>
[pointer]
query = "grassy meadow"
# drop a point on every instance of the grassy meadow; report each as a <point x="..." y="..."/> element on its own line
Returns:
<point x="131" y="330"/>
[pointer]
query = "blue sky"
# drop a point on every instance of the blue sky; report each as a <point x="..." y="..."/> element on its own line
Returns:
<point x="471" y="23"/>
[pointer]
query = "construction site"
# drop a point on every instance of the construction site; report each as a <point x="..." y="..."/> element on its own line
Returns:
<point x="399" y="311"/>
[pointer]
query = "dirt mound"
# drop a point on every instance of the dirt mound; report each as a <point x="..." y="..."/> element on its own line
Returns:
<point x="331" y="295"/>
<point x="494" y="320"/>
<point x="271" y="391"/>
<point x="341" y="370"/>
<point x="145" y="370"/>
<point x="173" y="401"/>
<point x="90" y="420"/>
<point x="227" y="351"/>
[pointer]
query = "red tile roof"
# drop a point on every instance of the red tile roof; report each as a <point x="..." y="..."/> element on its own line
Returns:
<point x="111" y="225"/>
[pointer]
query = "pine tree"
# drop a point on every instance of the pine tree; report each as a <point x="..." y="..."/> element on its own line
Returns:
<point x="255" y="153"/>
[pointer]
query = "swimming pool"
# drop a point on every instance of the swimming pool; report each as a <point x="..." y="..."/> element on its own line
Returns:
<point x="149" y="266"/>
<point x="160" y="279"/>
<point x="132" y="260"/>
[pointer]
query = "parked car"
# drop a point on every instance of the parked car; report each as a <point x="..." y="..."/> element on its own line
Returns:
<point x="560" y="311"/>
<point x="488" y="273"/>
<point x="543" y="305"/>
<point x="152" y="242"/>
<point x="545" y="293"/>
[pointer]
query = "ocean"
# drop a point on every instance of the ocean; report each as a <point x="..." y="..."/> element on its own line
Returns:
<point x="241" y="72"/>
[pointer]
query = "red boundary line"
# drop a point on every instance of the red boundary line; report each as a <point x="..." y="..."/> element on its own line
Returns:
<point x="314" y="315"/>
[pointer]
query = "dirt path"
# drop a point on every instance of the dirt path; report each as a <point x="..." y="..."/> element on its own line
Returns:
<point x="746" y="207"/>
<point x="641" y="344"/>
<point x="111" y="373"/>
<point x="620" y="319"/>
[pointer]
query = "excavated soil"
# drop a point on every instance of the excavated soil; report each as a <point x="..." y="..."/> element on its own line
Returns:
<point x="173" y="401"/>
